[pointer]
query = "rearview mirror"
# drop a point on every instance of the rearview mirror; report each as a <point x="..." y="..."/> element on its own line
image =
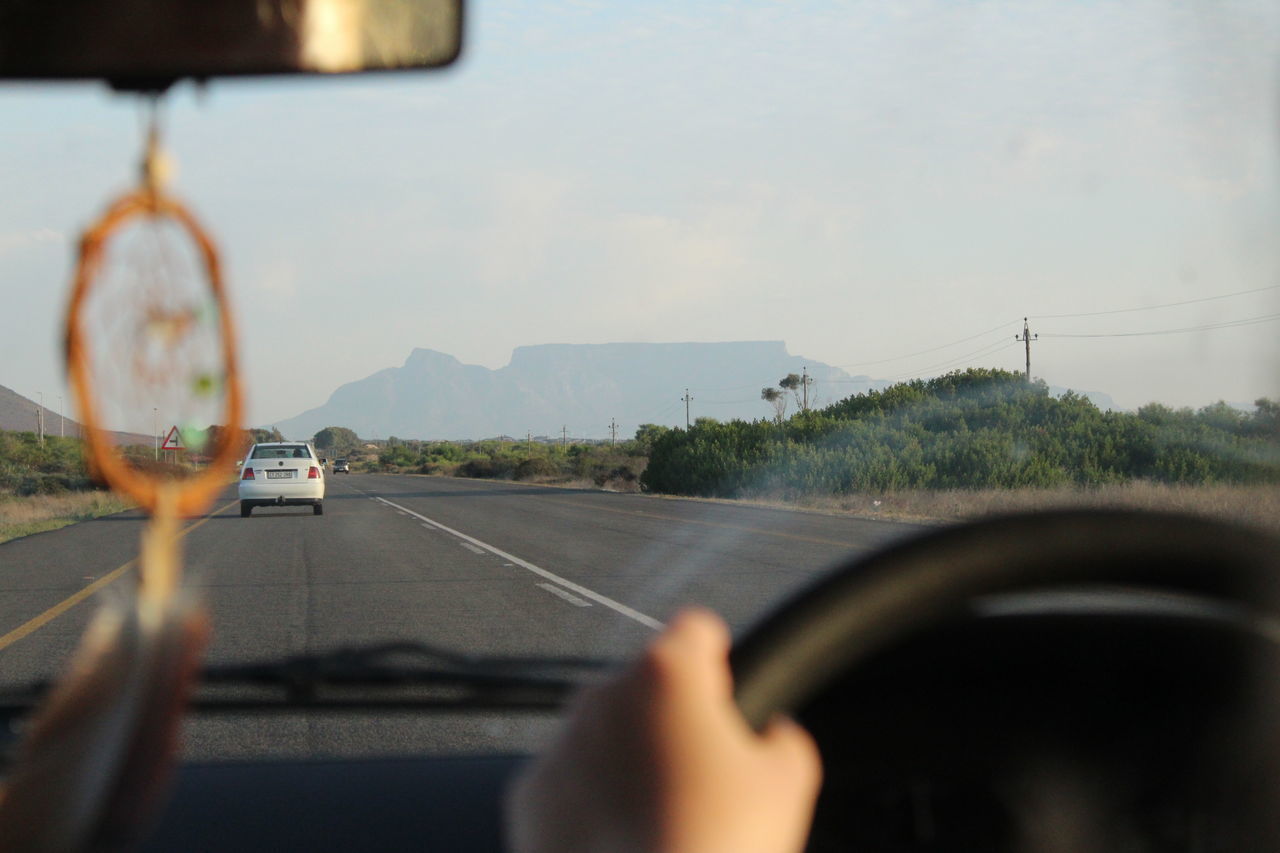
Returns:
<point x="148" y="44"/>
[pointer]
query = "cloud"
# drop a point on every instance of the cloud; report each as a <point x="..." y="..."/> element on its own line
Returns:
<point x="1030" y="145"/>
<point x="279" y="277"/>
<point x="16" y="241"/>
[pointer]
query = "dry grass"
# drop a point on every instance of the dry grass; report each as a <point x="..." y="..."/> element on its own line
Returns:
<point x="1258" y="506"/>
<point x="22" y="516"/>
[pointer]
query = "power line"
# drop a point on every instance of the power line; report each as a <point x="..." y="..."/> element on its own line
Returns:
<point x="702" y="390"/>
<point x="1154" y="307"/>
<point x="665" y="411"/>
<point x="923" y="351"/>
<point x="986" y="350"/>
<point x="1002" y="344"/>
<point x="1226" y="324"/>
<point x="956" y="362"/>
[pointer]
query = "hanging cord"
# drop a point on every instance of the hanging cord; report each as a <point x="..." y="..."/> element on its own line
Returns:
<point x="157" y="166"/>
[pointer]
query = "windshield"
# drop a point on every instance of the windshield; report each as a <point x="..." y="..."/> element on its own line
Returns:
<point x="647" y="305"/>
<point x="281" y="451"/>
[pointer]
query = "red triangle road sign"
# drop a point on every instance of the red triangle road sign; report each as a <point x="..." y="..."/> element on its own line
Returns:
<point x="173" y="441"/>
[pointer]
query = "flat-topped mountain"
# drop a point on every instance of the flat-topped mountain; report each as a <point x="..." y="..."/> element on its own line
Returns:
<point x="581" y="387"/>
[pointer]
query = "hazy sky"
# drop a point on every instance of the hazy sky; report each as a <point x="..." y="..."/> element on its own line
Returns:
<point x="862" y="180"/>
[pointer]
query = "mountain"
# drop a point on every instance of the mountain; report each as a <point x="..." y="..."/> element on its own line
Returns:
<point x="581" y="387"/>
<point x="18" y="414"/>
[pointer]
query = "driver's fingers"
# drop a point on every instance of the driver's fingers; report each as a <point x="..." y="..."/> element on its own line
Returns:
<point x="691" y="656"/>
<point x="793" y="755"/>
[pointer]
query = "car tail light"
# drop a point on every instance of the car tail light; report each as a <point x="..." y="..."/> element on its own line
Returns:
<point x="313" y="473"/>
<point x="247" y="475"/>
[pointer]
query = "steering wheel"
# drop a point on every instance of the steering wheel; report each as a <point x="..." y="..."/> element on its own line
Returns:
<point x="956" y="680"/>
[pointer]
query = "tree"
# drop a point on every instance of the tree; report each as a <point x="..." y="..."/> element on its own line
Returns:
<point x="796" y="384"/>
<point x="648" y="434"/>
<point x="338" y="440"/>
<point x="213" y="435"/>
<point x="261" y="435"/>
<point x="778" y="400"/>
<point x="1266" y="418"/>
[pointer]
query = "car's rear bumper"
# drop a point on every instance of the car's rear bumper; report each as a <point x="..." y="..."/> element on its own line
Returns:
<point x="267" y="492"/>
<point x="280" y="501"/>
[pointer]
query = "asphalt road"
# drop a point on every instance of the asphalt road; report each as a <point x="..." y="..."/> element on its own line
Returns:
<point x="477" y="566"/>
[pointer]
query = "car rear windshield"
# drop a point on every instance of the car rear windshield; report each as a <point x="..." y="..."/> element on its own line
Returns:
<point x="282" y="451"/>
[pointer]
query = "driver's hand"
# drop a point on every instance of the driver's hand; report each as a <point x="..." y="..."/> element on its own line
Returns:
<point x="661" y="761"/>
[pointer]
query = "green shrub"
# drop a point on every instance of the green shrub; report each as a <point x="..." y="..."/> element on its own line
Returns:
<point x="969" y="429"/>
<point x="29" y="467"/>
<point x="484" y="467"/>
<point x="536" y="466"/>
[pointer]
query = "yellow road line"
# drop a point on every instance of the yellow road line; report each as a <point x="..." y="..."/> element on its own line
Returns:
<point x="655" y="516"/>
<point x="63" y="606"/>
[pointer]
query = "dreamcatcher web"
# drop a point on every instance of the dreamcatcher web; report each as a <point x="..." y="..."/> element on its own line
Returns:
<point x="152" y="332"/>
<point x="150" y="346"/>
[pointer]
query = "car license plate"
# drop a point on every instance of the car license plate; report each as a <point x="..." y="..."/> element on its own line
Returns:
<point x="279" y="475"/>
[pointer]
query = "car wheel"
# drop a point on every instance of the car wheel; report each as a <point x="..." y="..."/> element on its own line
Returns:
<point x="318" y="509"/>
<point x="245" y="509"/>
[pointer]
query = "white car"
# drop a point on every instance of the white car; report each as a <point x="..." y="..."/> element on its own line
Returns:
<point x="281" y="473"/>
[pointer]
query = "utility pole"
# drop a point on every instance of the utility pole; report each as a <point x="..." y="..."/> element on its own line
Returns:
<point x="155" y="428"/>
<point x="613" y="432"/>
<point x="805" y="381"/>
<point x="564" y="437"/>
<point x="1027" y="338"/>
<point x="40" y="416"/>
<point x="62" y="419"/>
<point x="686" y="399"/>
<point x="529" y="439"/>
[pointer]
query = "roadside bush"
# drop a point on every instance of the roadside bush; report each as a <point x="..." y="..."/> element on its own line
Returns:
<point x="28" y="467"/>
<point x="536" y="466"/>
<point x="445" y="451"/>
<point x="50" y="484"/>
<point x="619" y="475"/>
<point x="397" y="456"/>
<point x="484" y="467"/>
<point x="972" y="429"/>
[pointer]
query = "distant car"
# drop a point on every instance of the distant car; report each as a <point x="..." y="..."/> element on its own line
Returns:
<point x="341" y="467"/>
<point x="281" y="473"/>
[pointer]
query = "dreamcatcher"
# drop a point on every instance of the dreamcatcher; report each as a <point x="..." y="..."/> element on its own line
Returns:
<point x="148" y="331"/>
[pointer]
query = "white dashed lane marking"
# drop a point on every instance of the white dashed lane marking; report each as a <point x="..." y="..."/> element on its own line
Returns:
<point x="562" y="583"/>
<point x="567" y="596"/>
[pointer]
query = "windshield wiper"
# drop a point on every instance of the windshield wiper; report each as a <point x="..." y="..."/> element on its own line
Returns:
<point x="398" y="674"/>
<point x="404" y="675"/>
